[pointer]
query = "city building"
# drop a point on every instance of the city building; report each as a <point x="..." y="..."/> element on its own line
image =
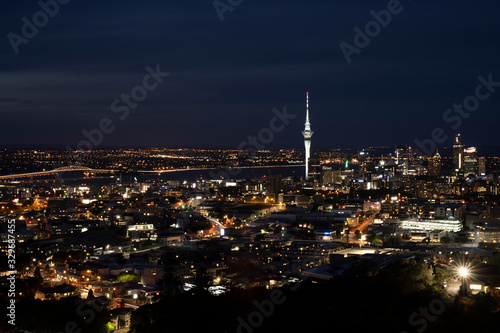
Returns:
<point x="403" y="156"/>
<point x="466" y="163"/>
<point x="487" y="234"/>
<point x="447" y="225"/>
<point x="434" y="168"/>
<point x="56" y="293"/>
<point x="141" y="232"/>
<point x="481" y="166"/>
<point x="470" y="162"/>
<point x="273" y="185"/>
<point x="458" y="156"/>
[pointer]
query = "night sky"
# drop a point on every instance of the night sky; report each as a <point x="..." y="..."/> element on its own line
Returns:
<point x="226" y="77"/>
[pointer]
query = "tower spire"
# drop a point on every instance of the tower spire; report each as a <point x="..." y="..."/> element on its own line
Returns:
<point x="307" y="124"/>
<point x="307" y="133"/>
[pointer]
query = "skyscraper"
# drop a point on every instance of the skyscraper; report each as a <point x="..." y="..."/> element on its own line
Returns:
<point x="403" y="155"/>
<point x="307" y="133"/>
<point x="435" y="165"/>
<point x="458" y="156"/>
<point x="481" y="166"/>
<point x="470" y="162"/>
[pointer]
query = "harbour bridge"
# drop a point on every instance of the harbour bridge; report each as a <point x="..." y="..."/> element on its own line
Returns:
<point x="69" y="168"/>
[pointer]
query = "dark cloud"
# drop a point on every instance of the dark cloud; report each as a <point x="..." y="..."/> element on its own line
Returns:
<point x="226" y="77"/>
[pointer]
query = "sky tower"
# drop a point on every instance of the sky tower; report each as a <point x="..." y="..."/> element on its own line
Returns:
<point x="307" y="133"/>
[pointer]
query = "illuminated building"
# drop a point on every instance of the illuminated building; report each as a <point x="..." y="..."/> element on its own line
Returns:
<point x="451" y="224"/>
<point x="481" y="166"/>
<point x="403" y="155"/>
<point x="307" y="133"/>
<point x="470" y="161"/>
<point x="458" y="156"/>
<point x="487" y="234"/>
<point x="435" y="165"/>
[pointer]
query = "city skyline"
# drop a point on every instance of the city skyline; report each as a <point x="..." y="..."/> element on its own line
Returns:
<point x="161" y="170"/>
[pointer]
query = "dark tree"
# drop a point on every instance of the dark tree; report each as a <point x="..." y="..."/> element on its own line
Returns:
<point x="202" y="280"/>
<point x="305" y="234"/>
<point x="357" y="233"/>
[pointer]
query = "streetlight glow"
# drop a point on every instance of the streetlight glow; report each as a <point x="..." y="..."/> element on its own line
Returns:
<point x="463" y="271"/>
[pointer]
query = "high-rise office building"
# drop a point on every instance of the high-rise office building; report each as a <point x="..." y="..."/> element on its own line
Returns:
<point x="434" y="168"/>
<point x="326" y="175"/>
<point x="273" y="184"/>
<point x="470" y="162"/>
<point x="314" y="169"/>
<point x="481" y="166"/>
<point x="403" y="156"/>
<point x="458" y="156"/>
<point x="307" y="133"/>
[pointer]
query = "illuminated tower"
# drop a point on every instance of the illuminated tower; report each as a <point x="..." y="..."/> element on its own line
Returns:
<point x="458" y="156"/>
<point x="307" y="133"/>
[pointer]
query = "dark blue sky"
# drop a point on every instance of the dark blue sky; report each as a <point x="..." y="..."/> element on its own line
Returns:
<point x="226" y="77"/>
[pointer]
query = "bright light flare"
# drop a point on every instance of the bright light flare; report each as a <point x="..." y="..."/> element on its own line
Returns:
<point x="463" y="271"/>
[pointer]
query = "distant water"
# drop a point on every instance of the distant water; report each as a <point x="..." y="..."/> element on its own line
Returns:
<point x="187" y="175"/>
<point x="239" y="173"/>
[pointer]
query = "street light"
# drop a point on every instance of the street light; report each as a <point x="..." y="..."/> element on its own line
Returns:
<point x="463" y="272"/>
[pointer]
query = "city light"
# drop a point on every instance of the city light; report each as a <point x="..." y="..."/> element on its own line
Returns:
<point x="464" y="272"/>
<point x="251" y="228"/>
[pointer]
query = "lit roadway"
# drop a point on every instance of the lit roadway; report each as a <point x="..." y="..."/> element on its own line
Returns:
<point x="365" y="224"/>
<point x="216" y="224"/>
<point x="146" y="250"/>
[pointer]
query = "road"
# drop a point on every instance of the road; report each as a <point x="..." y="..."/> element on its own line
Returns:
<point x="216" y="224"/>
<point x="365" y="224"/>
<point x="148" y="249"/>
